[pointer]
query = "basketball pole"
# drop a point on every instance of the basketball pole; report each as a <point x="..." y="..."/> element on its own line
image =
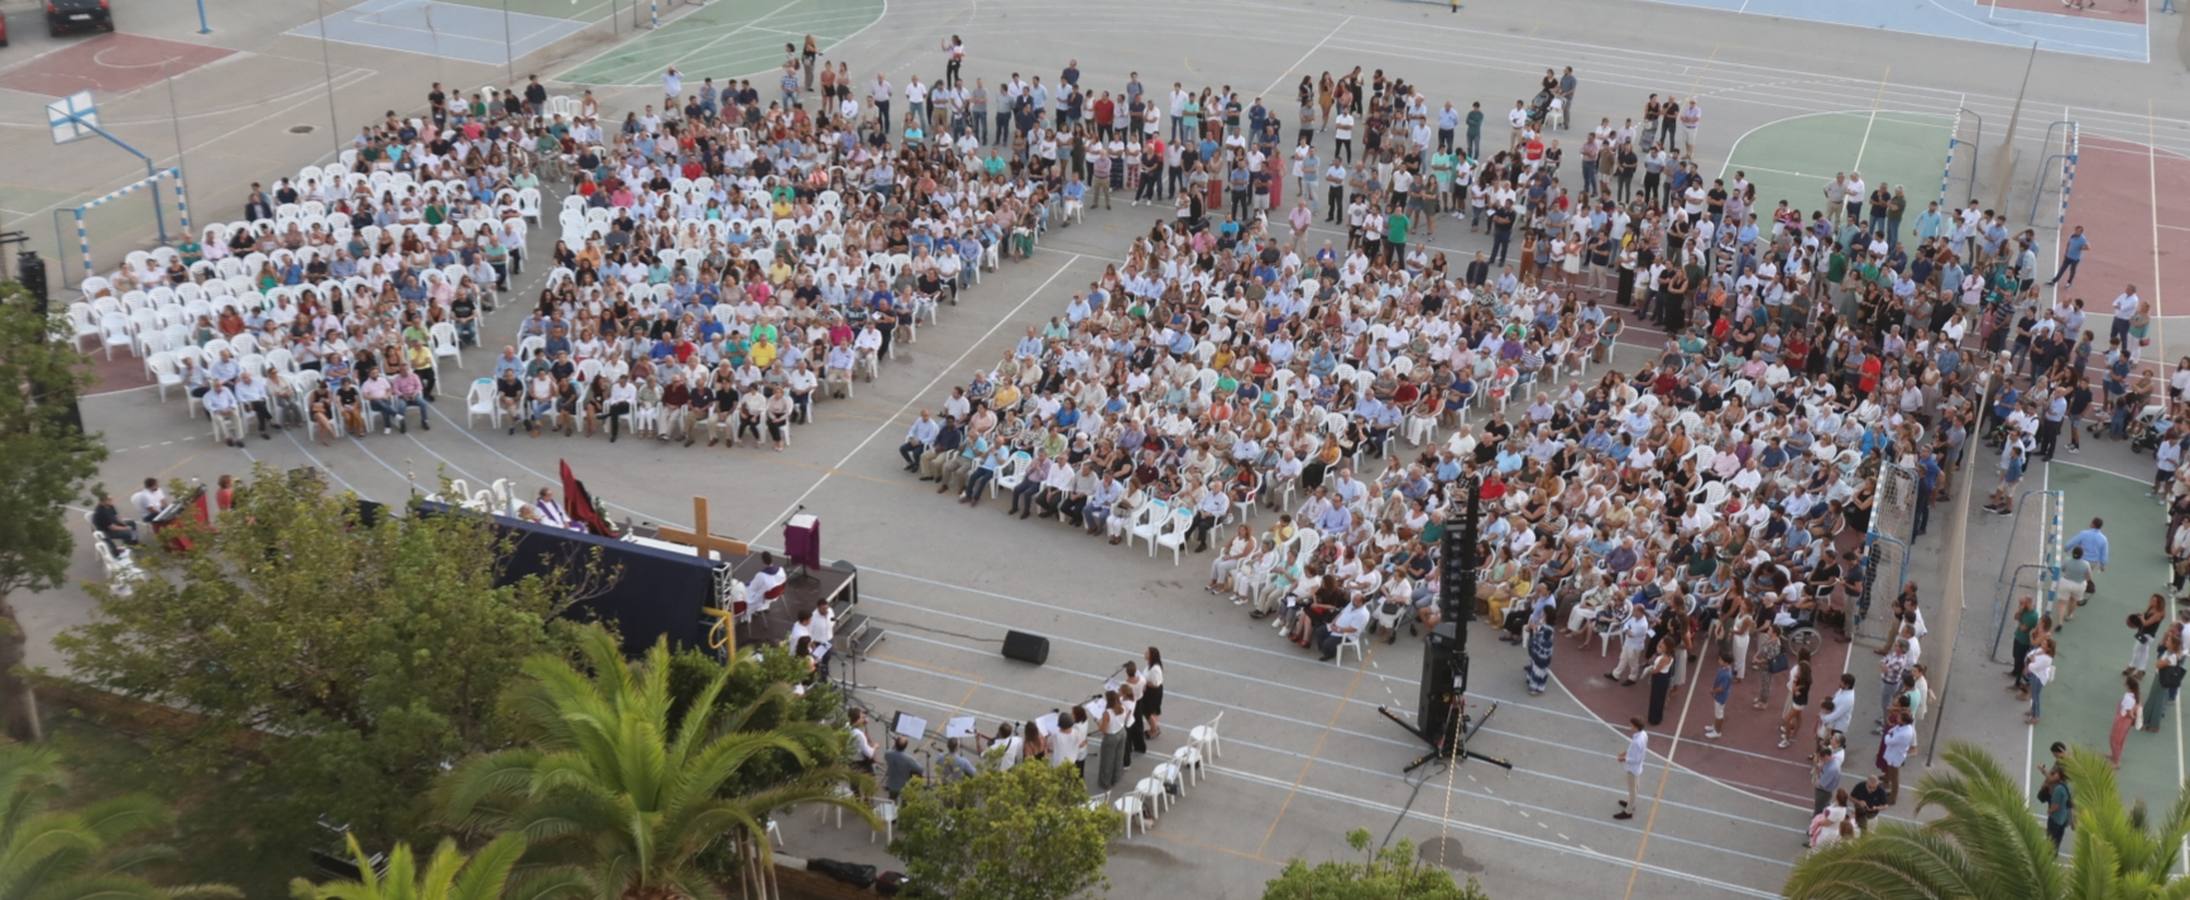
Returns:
<point x="174" y="116"/>
<point x="2015" y="114"/>
<point x="509" y="51"/>
<point x="327" y="67"/>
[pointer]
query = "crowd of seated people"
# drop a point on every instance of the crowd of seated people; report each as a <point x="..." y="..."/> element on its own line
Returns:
<point x="1716" y="493"/>
<point x="336" y="296"/>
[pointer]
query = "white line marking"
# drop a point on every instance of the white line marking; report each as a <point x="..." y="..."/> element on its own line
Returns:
<point x="1288" y="73"/>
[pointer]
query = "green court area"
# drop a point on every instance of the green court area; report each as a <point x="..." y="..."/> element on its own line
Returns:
<point x="725" y="39"/>
<point x="2080" y="704"/>
<point x="1794" y="158"/>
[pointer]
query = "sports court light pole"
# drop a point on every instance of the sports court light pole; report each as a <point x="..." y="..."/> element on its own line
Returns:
<point x="327" y="66"/>
<point x="202" y="27"/>
<point x="509" y="53"/>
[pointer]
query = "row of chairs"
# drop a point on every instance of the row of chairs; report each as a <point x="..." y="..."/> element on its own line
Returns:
<point x="1166" y="785"/>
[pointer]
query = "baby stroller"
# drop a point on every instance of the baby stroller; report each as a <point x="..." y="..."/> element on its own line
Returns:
<point x="1539" y="108"/>
<point x="2147" y="428"/>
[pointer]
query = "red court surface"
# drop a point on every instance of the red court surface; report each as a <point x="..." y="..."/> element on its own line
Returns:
<point x="2132" y="242"/>
<point x="2108" y="10"/>
<point x="109" y="64"/>
<point x="1747" y="755"/>
<point x="124" y="372"/>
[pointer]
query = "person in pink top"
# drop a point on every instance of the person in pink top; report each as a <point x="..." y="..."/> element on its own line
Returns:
<point x="379" y="394"/>
<point x="409" y="392"/>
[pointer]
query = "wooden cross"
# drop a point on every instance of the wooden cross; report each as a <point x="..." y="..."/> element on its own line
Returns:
<point x="698" y="538"/>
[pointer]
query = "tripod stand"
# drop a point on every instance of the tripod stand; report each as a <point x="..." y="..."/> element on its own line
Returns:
<point x="1452" y="747"/>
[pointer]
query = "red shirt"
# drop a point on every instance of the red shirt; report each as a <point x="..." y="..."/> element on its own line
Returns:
<point x="1105" y="109"/>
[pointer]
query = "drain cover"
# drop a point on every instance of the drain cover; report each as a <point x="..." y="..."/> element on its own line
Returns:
<point x="301" y="129"/>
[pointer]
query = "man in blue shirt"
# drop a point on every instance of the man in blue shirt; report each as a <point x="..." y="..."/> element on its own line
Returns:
<point x="2072" y="255"/>
<point x="2093" y="542"/>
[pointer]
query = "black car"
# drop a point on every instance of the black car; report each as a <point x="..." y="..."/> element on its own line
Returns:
<point x="76" y="15"/>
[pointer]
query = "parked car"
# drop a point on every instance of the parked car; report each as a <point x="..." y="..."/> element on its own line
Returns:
<point x="75" y="15"/>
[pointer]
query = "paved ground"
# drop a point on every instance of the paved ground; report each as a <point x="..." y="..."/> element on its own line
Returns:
<point x="1306" y="756"/>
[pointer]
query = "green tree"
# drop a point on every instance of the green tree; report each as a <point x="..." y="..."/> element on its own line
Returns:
<point x="333" y="667"/>
<point x="486" y="875"/>
<point x="970" y="838"/>
<point x="626" y="795"/>
<point x="96" y="851"/>
<point x="1986" y="842"/>
<point x="48" y="462"/>
<point x="1390" y="873"/>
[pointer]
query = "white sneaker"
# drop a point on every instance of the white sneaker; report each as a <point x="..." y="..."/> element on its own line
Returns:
<point x="1711" y="733"/>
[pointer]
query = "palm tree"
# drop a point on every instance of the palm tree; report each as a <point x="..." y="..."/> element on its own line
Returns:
<point x="448" y="876"/>
<point x="1987" y="843"/>
<point x="627" y="799"/>
<point x="50" y="854"/>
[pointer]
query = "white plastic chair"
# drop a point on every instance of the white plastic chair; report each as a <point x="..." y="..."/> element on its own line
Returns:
<point x="1338" y="656"/>
<point x="1204" y="738"/>
<point x="480" y="401"/>
<point x="1012" y="474"/>
<point x="445" y="343"/>
<point x="1147" y="521"/>
<point x="1172" y="534"/>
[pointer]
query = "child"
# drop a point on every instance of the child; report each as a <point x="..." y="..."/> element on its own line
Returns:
<point x="1722" y="687"/>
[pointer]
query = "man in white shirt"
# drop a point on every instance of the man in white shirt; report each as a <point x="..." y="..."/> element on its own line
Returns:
<point x="2126" y="306"/>
<point x="1900" y="741"/>
<point x="1631" y="765"/>
<point x="220" y="405"/>
<point x="1634" y="636"/>
<point x="1842" y="713"/>
<point x="1349" y="623"/>
<point x="152" y="498"/>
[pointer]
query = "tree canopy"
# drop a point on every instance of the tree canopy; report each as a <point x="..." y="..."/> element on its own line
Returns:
<point x="49" y="460"/>
<point x="345" y="665"/>
<point x="98" y="850"/>
<point x="1987" y="842"/>
<point x="613" y="787"/>
<point x="1389" y="873"/>
<point x="969" y="838"/>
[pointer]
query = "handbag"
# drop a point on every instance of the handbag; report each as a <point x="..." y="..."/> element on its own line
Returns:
<point x="2171" y="676"/>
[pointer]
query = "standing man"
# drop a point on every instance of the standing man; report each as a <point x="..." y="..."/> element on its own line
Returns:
<point x="2092" y="541"/>
<point x="672" y="89"/>
<point x="1826" y="772"/>
<point x="1900" y="741"/>
<point x="1475" y="131"/>
<point x="2072" y="255"/>
<point x="1631" y="765"/>
<point x="2126" y="306"/>
<point x="1567" y="84"/>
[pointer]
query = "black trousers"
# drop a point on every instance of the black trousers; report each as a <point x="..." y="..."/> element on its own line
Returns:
<point x="1337" y="205"/>
<point x="1199" y="531"/>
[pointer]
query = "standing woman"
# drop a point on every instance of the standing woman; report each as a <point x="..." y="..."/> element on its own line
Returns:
<point x="1739" y="634"/>
<point x="2146" y="626"/>
<point x="2169" y="678"/>
<point x="2037" y="673"/>
<point x="2125" y="715"/>
<point x="1136" y="737"/>
<point x="1661" y="679"/>
<point x="955" y="53"/>
<point x="1152" y="700"/>
<point x="1540" y="640"/>
<point x="1110" y="759"/>
<point x="1798" y="698"/>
